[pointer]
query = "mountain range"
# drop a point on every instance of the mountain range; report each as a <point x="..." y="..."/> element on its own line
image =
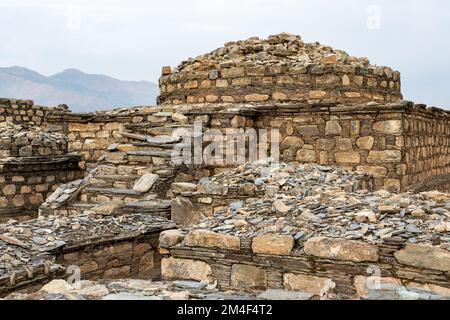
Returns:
<point x="81" y="91"/>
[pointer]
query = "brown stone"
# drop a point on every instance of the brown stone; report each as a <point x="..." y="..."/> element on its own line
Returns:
<point x="363" y="284"/>
<point x="88" y="267"/>
<point x="333" y="127"/>
<point x="388" y="127"/>
<point x="329" y="59"/>
<point x="279" y="96"/>
<point x="305" y="155"/>
<point x="424" y="257"/>
<point x="250" y="277"/>
<point x="308" y="130"/>
<point x="117" y="273"/>
<point x="365" y="143"/>
<point x="386" y="156"/>
<point x="209" y="239"/>
<point x="184" y="212"/>
<point x="347" y="157"/>
<point x="308" y="283"/>
<point x="170" y="238"/>
<point x="273" y="244"/>
<point x="186" y="269"/>
<point x="292" y="143"/>
<point x="166" y="70"/>
<point x="147" y="264"/>
<point x="339" y="249"/>
<point x="317" y="94"/>
<point x="255" y="97"/>
<point x="376" y="172"/>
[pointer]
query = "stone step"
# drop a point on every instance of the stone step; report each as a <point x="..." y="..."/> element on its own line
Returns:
<point x="150" y="207"/>
<point x="158" y="154"/>
<point x="113" y="181"/>
<point x="113" y="191"/>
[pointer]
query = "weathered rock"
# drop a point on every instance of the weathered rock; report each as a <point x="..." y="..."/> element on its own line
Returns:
<point x="340" y="249"/>
<point x="245" y="276"/>
<point x="280" y="207"/>
<point x="169" y="238"/>
<point x="181" y="187"/>
<point x="424" y="257"/>
<point x="273" y="244"/>
<point x="145" y="183"/>
<point x="307" y="283"/>
<point x="208" y="239"/>
<point x="186" y="269"/>
<point x="388" y="127"/>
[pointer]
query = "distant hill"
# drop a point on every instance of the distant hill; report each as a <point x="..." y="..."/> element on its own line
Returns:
<point x="82" y="92"/>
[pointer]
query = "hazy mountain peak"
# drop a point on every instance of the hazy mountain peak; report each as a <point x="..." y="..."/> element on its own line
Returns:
<point x="80" y="90"/>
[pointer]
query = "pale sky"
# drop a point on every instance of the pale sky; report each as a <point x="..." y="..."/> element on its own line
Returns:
<point x="132" y="40"/>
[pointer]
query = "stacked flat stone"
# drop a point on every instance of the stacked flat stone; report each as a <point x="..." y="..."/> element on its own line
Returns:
<point x="30" y="244"/>
<point x="21" y="140"/>
<point x="281" y="68"/>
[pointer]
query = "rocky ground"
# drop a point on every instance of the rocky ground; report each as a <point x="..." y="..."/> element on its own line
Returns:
<point x="134" y="289"/>
<point x="24" y="244"/>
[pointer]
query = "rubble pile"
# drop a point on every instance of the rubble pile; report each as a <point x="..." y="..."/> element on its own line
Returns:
<point x="311" y="201"/>
<point x="23" y="244"/>
<point x="283" y="49"/>
<point x="265" y="177"/>
<point x="22" y="140"/>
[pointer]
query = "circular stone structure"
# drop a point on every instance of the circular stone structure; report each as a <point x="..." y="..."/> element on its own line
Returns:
<point x="281" y="68"/>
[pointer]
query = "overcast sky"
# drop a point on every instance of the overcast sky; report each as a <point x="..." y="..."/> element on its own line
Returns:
<point x="132" y="39"/>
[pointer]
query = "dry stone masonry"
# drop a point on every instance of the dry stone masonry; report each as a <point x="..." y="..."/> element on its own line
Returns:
<point x="281" y="68"/>
<point x="349" y="211"/>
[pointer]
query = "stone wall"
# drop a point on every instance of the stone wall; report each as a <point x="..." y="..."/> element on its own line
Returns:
<point x="25" y="112"/>
<point x="281" y="68"/>
<point x="25" y="184"/>
<point x="334" y="268"/>
<point x="315" y="83"/>
<point x="426" y="145"/>
<point x="126" y="258"/>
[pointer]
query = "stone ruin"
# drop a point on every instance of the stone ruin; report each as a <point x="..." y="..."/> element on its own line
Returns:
<point x="349" y="212"/>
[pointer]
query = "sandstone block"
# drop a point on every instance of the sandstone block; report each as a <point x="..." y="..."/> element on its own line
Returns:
<point x="170" y="238"/>
<point x="181" y="187"/>
<point x="347" y="157"/>
<point x="424" y="257"/>
<point x="307" y="283"/>
<point x="376" y="172"/>
<point x="388" y="127"/>
<point x="329" y="59"/>
<point x="273" y="244"/>
<point x="292" y="143"/>
<point x="145" y="183"/>
<point x="339" y="249"/>
<point x="365" y="143"/>
<point x="255" y="97"/>
<point x="186" y="269"/>
<point x="308" y="130"/>
<point x="305" y="155"/>
<point x="244" y="276"/>
<point x="209" y="239"/>
<point x="317" y="94"/>
<point x="333" y="127"/>
<point x="386" y="156"/>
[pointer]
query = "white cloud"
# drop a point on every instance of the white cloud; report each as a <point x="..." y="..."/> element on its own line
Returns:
<point x="133" y="39"/>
